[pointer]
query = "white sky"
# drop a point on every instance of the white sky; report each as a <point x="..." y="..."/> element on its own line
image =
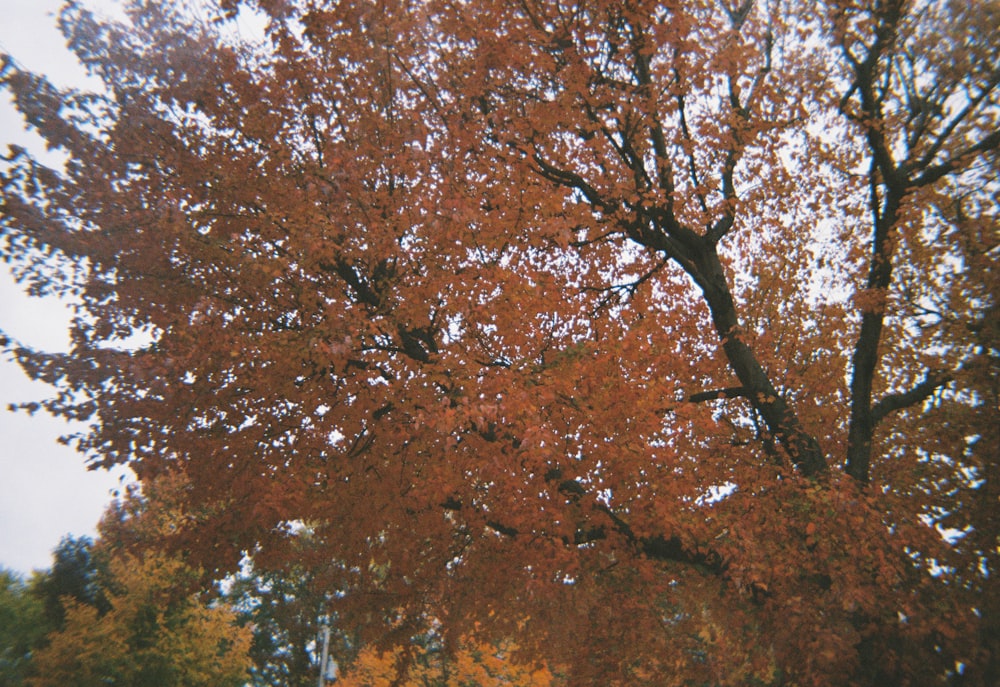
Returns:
<point x="45" y="490"/>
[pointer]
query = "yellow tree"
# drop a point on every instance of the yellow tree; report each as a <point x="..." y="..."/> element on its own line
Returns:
<point x="666" y="326"/>
<point x="480" y="665"/>
<point x="153" y="634"/>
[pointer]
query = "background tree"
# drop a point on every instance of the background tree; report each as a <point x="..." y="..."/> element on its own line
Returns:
<point x="22" y="626"/>
<point x="431" y="666"/>
<point x="286" y="610"/>
<point x="150" y="634"/>
<point x="285" y="614"/>
<point x="75" y="575"/>
<point x="279" y="609"/>
<point x="668" y="327"/>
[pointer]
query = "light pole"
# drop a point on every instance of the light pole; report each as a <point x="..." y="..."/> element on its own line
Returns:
<point x="324" y="634"/>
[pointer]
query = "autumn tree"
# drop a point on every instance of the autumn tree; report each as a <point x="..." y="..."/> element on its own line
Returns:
<point x="432" y="666"/>
<point x="661" y="336"/>
<point x="151" y="634"/>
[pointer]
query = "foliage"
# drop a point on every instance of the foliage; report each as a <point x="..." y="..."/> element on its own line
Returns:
<point x="75" y="574"/>
<point x="151" y="635"/>
<point x="285" y="612"/>
<point x="429" y="666"/>
<point x="22" y="626"/>
<point x="660" y="336"/>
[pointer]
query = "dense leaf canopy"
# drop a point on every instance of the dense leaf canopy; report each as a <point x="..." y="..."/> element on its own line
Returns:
<point x="658" y="336"/>
<point x="22" y="625"/>
<point x="149" y="635"/>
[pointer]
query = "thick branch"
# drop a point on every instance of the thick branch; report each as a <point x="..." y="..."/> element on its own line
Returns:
<point x="803" y="449"/>
<point x="572" y="180"/>
<point x="890" y="183"/>
<point x="957" y="161"/>
<point x="865" y="359"/>
<point x="716" y="394"/>
<point x="886" y="176"/>
<point x="663" y="548"/>
<point x="922" y="391"/>
<point x="943" y="137"/>
<point x="658" y="547"/>
<point x="698" y="257"/>
<point x="657" y="229"/>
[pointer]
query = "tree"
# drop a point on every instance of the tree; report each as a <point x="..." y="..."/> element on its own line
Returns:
<point x="286" y="610"/>
<point x="150" y="635"/>
<point x="661" y="336"/>
<point x="22" y="626"/>
<point x="430" y="666"/>
<point x="285" y="615"/>
<point x="29" y="612"/>
<point x="75" y="574"/>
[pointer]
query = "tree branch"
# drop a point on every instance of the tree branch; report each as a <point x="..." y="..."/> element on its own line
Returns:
<point x="716" y="394"/>
<point x="663" y="548"/>
<point x="958" y="119"/>
<point x="893" y="402"/>
<point x="572" y="180"/>
<point x="658" y="547"/>
<point x="932" y="174"/>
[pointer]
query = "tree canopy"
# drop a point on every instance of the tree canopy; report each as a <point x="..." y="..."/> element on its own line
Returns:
<point x="75" y="574"/>
<point x="22" y="626"/>
<point x="151" y="634"/>
<point x="661" y="337"/>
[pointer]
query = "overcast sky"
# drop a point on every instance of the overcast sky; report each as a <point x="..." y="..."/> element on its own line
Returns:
<point x="45" y="489"/>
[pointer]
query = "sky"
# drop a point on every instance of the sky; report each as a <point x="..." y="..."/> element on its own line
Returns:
<point x="46" y="492"/>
